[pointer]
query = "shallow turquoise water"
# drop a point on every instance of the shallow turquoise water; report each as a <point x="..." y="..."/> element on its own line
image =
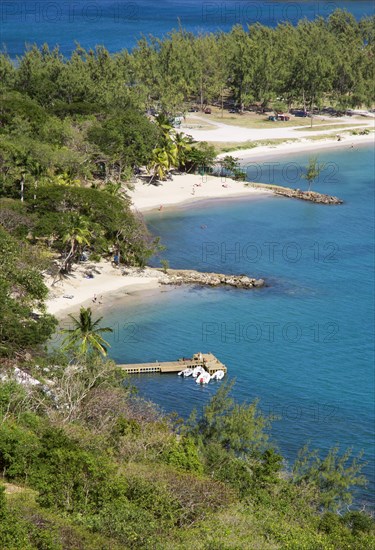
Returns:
<point x="304" y="344"/>
<point x="119" y="24"/>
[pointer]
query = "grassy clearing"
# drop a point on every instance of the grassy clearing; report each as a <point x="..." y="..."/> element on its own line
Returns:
<point x="345" y="133"/>
<point x="321" y="137"/>
<point x="12" y="490"/>
<point x="250" y="120"/>
<point x="329" y="127"/>
<point x="228" y="146"/>
<point x="195" y="124"/>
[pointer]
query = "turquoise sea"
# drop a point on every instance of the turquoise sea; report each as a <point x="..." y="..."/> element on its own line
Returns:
<point x="118" y="24"/>
<point x="303" y="345"/>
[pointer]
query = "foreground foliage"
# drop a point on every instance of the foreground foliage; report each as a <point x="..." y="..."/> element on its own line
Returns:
<point x="97" y="467"/>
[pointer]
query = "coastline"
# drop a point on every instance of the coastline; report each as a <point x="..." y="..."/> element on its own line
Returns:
<point x="186" y="189"/>
<point x="268" y="151"/>
<point x="108" y="282"/>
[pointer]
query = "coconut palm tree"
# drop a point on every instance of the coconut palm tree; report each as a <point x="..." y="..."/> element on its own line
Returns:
<point x="171" y="150"/>
<point x="77" y="235"/>
<point x="86" y="334"/>
<point x="159" y="164"/>
<point x="165" y="126"/>
<point x="114" y="189"/>
<point x="183" y="144"/>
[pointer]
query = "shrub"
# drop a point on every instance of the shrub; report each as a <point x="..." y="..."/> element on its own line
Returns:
<point x="13" y="531"/>
<point x="70" y="478"/>
<point x="183" y="455"/>
<point x="18" y="448"/>
<point x="358" y="522"/>
<point x="126" y="522"/>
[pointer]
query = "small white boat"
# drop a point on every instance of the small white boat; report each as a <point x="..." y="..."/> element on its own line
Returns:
<point x="203" y="378"/>
<point x="197" y="371"/>
<point x="218" y="375"/>
<point x="186" y="372"/>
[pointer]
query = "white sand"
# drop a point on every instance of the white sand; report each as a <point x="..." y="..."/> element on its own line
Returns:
<point x="284" y="149"/>
<point x="186" y="188"/>
<point x="107" y="280"/>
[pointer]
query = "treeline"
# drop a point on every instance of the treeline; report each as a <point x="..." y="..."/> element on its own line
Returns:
<point x="81" y="120"/>
<point x="323" y="60"/>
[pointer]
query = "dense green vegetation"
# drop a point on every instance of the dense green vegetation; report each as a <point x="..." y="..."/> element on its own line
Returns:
<point x="90" y="465"/>
<point x="22" y="291"/>
<point x="328" y="59"/>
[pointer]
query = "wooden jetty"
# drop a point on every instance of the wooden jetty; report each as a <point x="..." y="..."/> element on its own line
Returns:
<point x="206" y="360"/>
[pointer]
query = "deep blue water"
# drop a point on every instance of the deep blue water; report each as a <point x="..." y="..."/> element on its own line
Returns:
<point x="303" y="345"/>
<point x="119" y="24"/>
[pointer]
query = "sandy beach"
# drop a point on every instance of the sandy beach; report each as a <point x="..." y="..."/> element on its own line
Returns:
<point x="68" y="295"/>
<point x="305" y="145"/>
<point x="189" y="188"/>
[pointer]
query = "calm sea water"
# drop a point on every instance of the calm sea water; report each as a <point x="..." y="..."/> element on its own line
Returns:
<point x="303" y="345"/>
<point x="119" y="24"/>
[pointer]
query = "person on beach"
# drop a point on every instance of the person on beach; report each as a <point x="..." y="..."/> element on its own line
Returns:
<point x="94" y="299"/>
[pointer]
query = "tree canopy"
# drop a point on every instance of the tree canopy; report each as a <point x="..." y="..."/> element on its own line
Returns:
<point x="24" y="324"/>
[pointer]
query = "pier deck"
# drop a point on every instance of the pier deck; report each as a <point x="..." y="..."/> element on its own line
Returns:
<point x="206" y="360"/>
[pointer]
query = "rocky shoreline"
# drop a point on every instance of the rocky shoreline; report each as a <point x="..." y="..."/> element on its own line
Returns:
<point x="189" y="276"/>
<point x="178" y="277"/>
<point x="312" y="196"/>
